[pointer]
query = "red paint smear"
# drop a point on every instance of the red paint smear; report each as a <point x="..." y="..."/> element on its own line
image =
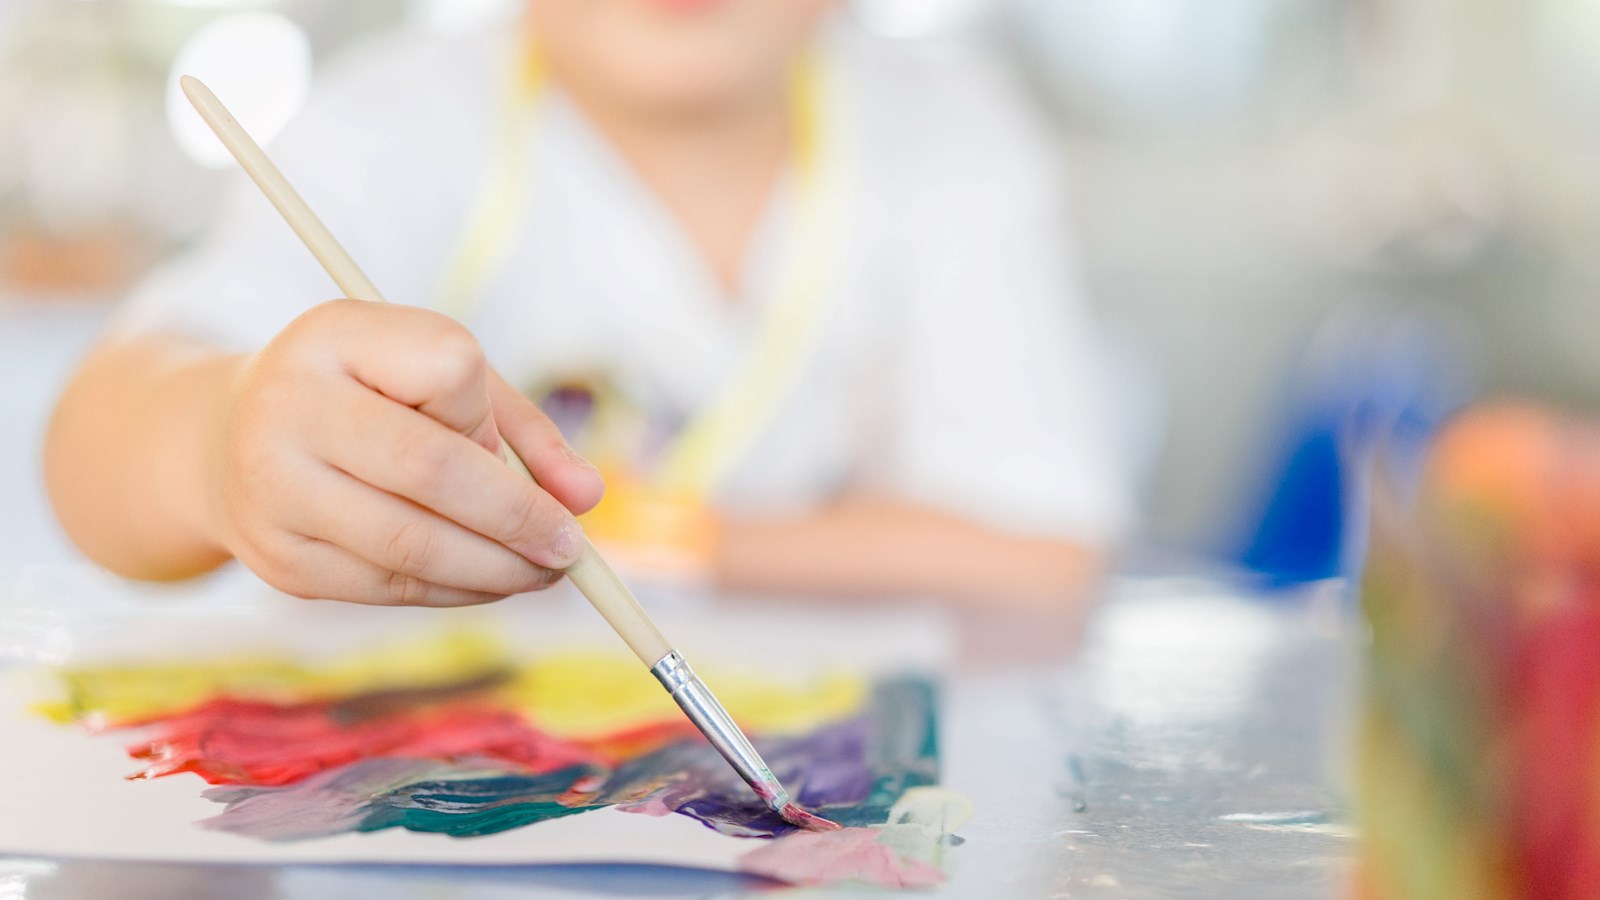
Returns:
<point x="829" y="857"/>
<point x="244" y="742"/>
<point x="636" y="742"/>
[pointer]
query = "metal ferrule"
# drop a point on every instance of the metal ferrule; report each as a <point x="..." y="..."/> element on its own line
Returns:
<point x="702" y="708"/>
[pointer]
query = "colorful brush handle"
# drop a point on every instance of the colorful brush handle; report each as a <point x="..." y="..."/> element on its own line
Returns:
<point x="1479" y="752"/>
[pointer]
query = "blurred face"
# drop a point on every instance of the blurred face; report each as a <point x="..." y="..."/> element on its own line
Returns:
<point x="673" y="56"/>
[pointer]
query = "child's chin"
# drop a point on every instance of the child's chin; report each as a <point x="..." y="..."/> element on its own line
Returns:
<point x="689" y="85"/>
<point x="685" y="7"/>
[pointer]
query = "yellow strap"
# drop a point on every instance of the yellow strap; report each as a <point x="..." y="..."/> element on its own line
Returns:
<point x="713" y="439"/>
<point x="502" y="202"/>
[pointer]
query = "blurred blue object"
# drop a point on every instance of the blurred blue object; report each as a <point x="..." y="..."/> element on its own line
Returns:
<point x="1301" y="535"/>
<point x="1373" y="388"/>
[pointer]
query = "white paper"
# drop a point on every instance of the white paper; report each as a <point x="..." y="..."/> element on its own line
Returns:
<point x="64" y="792"/>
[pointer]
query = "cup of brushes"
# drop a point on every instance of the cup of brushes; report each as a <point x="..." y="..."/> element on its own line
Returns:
<point x="1478" y="758"/>
<point x="592" y="575"/>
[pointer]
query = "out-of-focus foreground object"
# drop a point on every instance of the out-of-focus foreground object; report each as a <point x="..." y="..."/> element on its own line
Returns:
<point x="1479" y="756"/>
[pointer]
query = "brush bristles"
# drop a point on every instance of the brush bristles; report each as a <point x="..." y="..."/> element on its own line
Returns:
<point x="797" y="816"/>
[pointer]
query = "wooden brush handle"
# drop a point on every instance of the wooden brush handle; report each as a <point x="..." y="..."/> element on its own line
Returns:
<point x="607" y="593"/>
<point x="318" y="239"/>
<point x="593" y="576"/>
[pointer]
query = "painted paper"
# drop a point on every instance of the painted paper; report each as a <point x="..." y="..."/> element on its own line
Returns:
<point x="451" y="738"/>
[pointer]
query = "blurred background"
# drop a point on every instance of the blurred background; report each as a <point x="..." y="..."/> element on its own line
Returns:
<point x="1308" y="226"/>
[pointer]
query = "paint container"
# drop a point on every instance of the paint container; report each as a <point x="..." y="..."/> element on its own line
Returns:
<point x="1478" y="759"/>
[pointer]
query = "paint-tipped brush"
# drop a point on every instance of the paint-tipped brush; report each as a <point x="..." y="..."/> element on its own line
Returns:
<point x="592" y="575"/>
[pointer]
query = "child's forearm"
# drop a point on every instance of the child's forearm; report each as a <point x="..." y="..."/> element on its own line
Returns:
<point x="126" y="456"/>
<point x="885" y="547"/>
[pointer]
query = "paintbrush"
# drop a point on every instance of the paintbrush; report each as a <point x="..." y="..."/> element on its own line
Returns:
<point x="592" y="575"/>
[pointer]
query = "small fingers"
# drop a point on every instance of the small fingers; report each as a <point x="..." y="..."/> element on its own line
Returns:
<point x="564" y="474"/>
<point x="399" y="451"/>
<point x="317" y="570"/>
<point x="399" y="536"/>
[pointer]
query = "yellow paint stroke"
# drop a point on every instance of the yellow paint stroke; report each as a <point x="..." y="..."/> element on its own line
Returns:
<point x="586" y="694"/>
<point x="575" y="694"/>
<point x="134" y="693"/>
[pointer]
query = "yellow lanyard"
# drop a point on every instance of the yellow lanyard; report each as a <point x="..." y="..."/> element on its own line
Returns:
<point x="711" y="441"/>
<point x="497" y="212"/>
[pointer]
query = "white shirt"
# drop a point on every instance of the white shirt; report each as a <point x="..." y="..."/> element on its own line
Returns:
<point x="956" y="367"/>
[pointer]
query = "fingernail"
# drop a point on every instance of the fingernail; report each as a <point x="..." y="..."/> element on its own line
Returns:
<point x="568" y="544"/>
<point x="577" y="460"/>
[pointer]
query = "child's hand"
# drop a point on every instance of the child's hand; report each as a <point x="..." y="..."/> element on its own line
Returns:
<point x="359" y="459"/>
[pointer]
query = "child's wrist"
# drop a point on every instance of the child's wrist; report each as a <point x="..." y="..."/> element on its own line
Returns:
<point x="208" y="515"/>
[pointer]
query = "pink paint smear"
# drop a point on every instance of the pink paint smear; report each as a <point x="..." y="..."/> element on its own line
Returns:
<point x="828" y="857"/>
